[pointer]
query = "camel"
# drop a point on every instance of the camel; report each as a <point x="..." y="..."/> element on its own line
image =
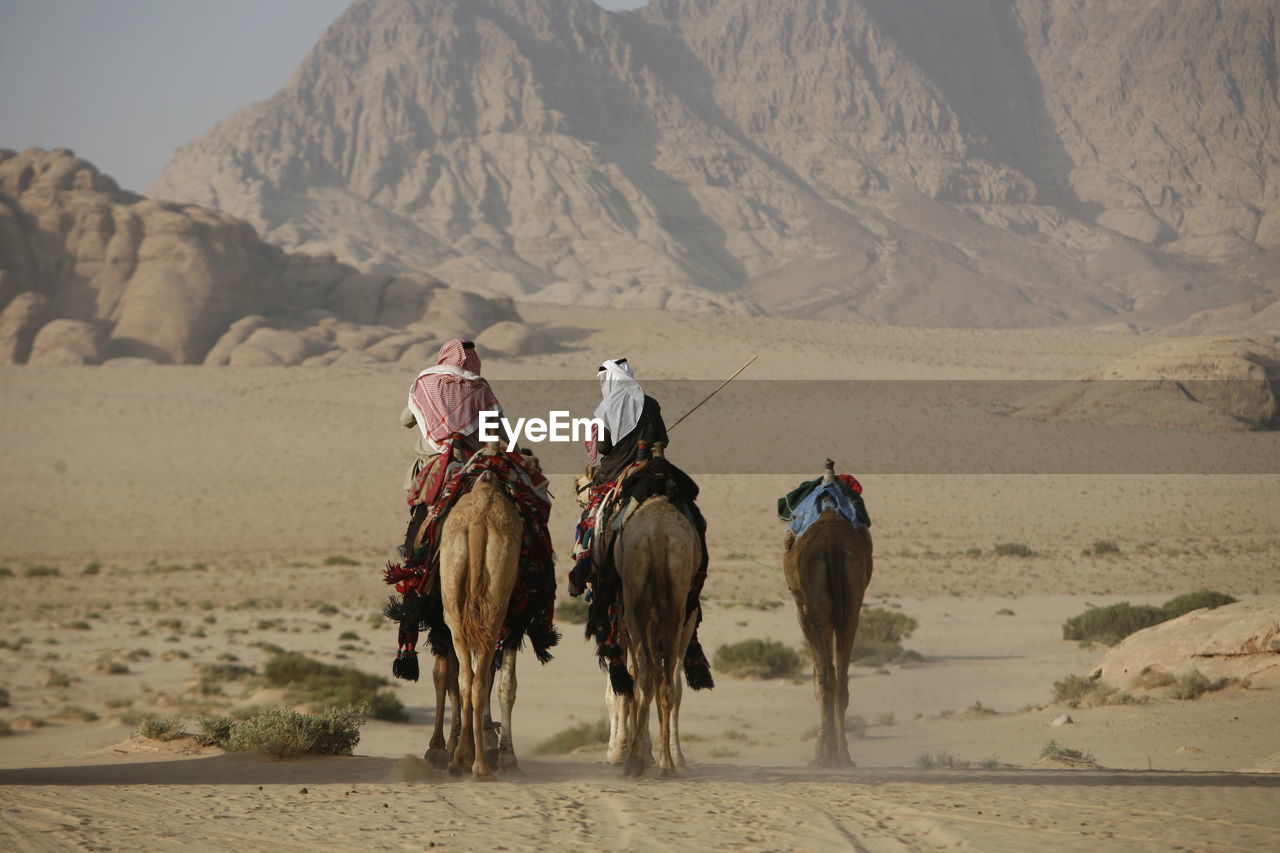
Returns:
<point x="657" y="556"/>
<point x="479" y="562"/>
<point x="828" y="569"/>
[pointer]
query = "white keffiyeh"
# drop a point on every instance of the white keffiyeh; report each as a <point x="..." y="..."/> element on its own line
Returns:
<point x="622" y="398"/>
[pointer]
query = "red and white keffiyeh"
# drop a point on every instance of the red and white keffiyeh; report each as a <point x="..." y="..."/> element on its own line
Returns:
<point x="449" y="397"/>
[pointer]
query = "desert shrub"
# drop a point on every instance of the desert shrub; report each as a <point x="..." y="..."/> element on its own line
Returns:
<point x="1111" y="624"/>
<point x="1175" y="607"/>
<point x="213" y="729"/>
<point x="1076" y="690"/>
<point x="57" y="678"/>
<point x="575" y="737"/>
<point x="1013" y="549"/>
<point x="885" y="718"/>
<point x="75" y="712"/>
<point x="938" y="760"/>
<point x="328" y="685"/>
<point x="757" y="659"/>
<point x="880" y="635"/>
<point x="117" y="668"/>
<point x="92" y="568"/>
<point x="160" y="728"/>
<point x="991" y="762"/>
<point x="5" y="728"/>
<point x="855" y="726"/>
<point x="973" y="552"/>
<point x="1105" y="546"/>
<point x="1153" y="678"/>
<point x="42" y="572"/>
<point x="573" y="611"/>
<point x="6" y="572"/>
<point x="4" y="697"/>
<point x="339" y="560"/>
<point x="1004" y="611"/>
<point x="348" y="635"/>
<point x="285" y="734"/>
<point x="1195" y="683"/>
<point x="1053" y="751"/>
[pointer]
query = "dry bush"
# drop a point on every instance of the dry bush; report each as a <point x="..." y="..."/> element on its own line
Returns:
<point x="573" y="611"/>
<point x="160" y="728"/>
<point x="758" y="659"/>
<point x="1195" y="684"/>
<point x="575" y="737"/>
<point x="285" y="734"/>
<point x="332" y="686"/>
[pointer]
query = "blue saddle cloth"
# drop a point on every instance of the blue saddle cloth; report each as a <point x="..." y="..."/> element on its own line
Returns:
<point x="825" y="496"/>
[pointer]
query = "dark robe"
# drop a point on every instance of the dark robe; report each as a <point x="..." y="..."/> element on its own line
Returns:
<point x="615" y="457"/>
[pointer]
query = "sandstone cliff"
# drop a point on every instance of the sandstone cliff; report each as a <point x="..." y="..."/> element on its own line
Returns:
<point x="943" y="162"/>
<point x="89" y="273"/>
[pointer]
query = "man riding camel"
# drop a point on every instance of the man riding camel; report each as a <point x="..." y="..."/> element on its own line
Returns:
<point x="445" y="402"/>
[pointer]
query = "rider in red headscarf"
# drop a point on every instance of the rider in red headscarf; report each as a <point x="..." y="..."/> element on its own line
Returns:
<point x="446" y="400"/>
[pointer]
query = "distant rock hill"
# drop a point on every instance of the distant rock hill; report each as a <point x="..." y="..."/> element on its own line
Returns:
<point x="90" y="273"/>
<point x="938" y="162"/>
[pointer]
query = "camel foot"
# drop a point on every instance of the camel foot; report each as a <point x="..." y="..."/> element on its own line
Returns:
<point x="507" y="763"/>
<point x="457" y="771"/>
<point x="669" y="772"/>
<point x="491" y="756"/>
<point x="437" y="758"/>
<point x="634" y="766"/>
<point x="483" y="775"/>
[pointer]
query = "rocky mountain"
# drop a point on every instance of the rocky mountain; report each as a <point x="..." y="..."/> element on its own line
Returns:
<point x="92" y="273"/>
<point x="940" y="162"/>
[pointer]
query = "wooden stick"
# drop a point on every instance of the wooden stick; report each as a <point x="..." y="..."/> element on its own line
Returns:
<point x="713" y="393"/>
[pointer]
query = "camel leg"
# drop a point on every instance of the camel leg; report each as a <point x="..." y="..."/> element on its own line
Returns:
<point x="815" y="624"/>
<point x="507" y="696"/>
<point x="619" y="710"/>
<point x="455" y="700"/>
<point x="481" y="684"/>
<point x="639" y="748"/>
<point x="686" y="637"/>
<point x="465" y="753"/>
<point x="437" y="755"/>
<point x="843" y="637"/>
<point x="666" y="675"/>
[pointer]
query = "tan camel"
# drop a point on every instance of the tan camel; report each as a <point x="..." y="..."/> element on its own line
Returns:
<point x="479" y="561"/>
<point x="828" y="569"/>
<point x="656" y="559"/>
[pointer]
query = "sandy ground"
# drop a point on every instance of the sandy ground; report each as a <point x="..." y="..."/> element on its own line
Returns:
<point x="225" y="508"/>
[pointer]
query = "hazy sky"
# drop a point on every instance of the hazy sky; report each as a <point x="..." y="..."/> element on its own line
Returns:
<point x="124" y="82"/>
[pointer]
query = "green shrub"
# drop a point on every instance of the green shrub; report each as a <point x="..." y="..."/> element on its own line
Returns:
<point x="285" y="734"/>
<point x="1152" y="678"/>
<point x="92" y="568"/>
<point x="1176" y="607"/>
<point x="939" y="760"/>
<point x="575" y="737"/>
<point x="42" y="572"/>
<point x="1076" y="690"/>
<point x="160" y="728"/>
<point x="880" y="635"/>
<point x="757" y="659"/>
<point x="328" y="685"/>
<point x="226" y="671"/>
<point x="1051" y="750"/>
<point x="1105" y="546"/>
<point x="1113" y="623"/>
<point x="57" y="678"/>
<point x="573" y="611"/>
<point x="348" y="635"/>
<point x="6" y="572"/>
<point x="339" y="560"/>
<point x="1013" y="549"/>
<point x="214" y="729"/>
<point x="991" y="762"/>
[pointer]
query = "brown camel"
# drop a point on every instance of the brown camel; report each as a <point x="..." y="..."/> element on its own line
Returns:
<point x="828" y="569"/>
<point x="657" y="556"/>
<point x="479" y="561"/>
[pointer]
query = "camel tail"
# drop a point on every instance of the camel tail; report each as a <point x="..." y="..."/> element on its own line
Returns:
<point x="837" y="582"/>
<point x="474" y="618"/>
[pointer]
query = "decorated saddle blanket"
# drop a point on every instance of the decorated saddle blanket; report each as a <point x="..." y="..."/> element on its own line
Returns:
<point x="609" y="507"/>
<point x="416" y="604"/>
<point x="802" y="506"/>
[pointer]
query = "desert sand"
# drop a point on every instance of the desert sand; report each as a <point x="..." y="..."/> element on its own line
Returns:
<point x="224" y="507"/>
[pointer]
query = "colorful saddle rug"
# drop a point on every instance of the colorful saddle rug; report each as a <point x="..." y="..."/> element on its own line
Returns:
<point x="417" y="606"/>
<point x="805" y="503"/>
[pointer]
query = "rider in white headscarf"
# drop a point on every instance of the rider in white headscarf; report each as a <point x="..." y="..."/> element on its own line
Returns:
<point x="630" y="416"/>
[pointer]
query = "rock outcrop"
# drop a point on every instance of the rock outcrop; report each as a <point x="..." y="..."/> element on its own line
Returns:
<point x="1240" y="640"/>
<point x="941" y="162"/>
<point x="91" y="273"/>
<point x="1223" y="383"/>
